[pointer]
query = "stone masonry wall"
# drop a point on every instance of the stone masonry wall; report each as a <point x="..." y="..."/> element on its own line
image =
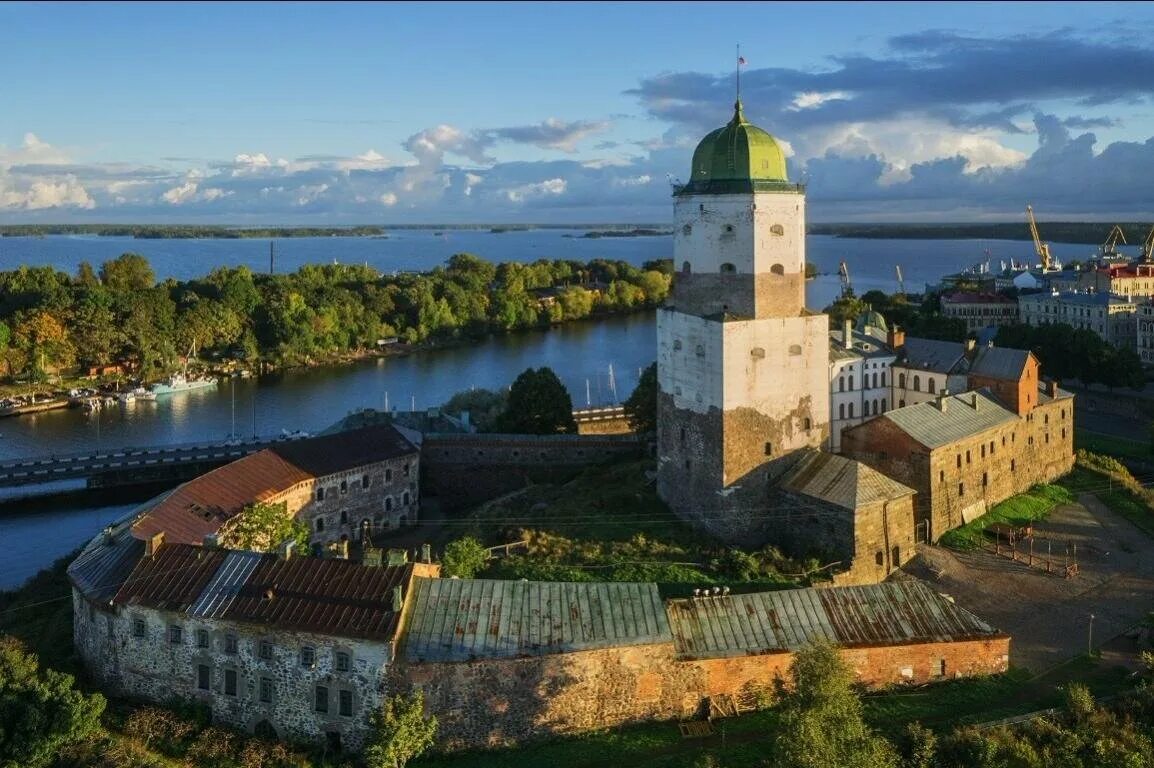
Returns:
<point x="499" y="702"/>
<point x="154" y="667"/>
<point x="468" y="469"/>
<point x="962" y="480"/>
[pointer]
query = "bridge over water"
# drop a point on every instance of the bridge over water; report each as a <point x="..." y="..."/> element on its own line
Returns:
<point x="129" y="466"/>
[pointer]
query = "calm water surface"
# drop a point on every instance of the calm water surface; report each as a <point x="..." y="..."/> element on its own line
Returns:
<point x="581" y="353"/>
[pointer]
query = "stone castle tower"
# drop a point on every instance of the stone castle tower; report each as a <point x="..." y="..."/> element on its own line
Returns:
<point x="742" y="366"/>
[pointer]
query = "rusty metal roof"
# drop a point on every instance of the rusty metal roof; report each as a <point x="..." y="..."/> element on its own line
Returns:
<point x="844" y="482"/>
<point x="201" y="506"/>
<point x="332" y="597"/>
<point x="465" y="619"/>
<point x="171" y="579"/>
<point x="893" y="613"/>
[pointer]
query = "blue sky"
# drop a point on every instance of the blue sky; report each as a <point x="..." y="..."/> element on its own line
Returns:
<point x="336" y="113"/>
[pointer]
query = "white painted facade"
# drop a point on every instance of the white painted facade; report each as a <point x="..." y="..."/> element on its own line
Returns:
<point x="915" y="385"/>
<point x="859" y="385"/>
<point x="753" y="232"/>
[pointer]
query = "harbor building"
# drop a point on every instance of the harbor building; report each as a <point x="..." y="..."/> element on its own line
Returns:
<point x="980" y="310"/>
<point x="1114" y="318"/>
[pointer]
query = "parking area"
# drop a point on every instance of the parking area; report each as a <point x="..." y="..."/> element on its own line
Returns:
<point x="1048" y="615"/>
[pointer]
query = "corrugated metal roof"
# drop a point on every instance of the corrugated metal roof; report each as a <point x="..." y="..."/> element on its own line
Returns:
<point x="102" y="567"/>
<point x="216" y="598"/>
<point x="932" y="355"/>
<point x="893" y="613"/>
<point x="835" y="479"/>
<point x="934" y="427"/>
<point x="465" y="619"/>
<point x="202" y="506"/>
<point x="171" y="579"/>
<point x="1000" y="363"/>
<point x="332" y="597"/>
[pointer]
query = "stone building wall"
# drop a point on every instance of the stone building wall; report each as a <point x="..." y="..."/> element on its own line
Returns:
<point x="390" y="501"/>
<point x="959" y="482"/>
<point x="468" y="469"/>
<point x="152" y="666"/>
<point x="500" y="702"/>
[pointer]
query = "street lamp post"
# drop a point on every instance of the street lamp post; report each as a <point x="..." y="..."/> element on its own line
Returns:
<point x="1090" y="637"/>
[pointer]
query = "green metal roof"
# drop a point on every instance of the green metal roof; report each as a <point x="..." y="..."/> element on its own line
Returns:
<point x="739" y="157"/>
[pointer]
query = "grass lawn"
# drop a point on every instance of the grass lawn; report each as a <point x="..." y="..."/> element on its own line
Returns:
<point x="1032" y="505"/>
<point x="1111" y="445"/>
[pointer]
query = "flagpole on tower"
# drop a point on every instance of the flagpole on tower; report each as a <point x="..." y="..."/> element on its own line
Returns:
<point x="739" y="60"/>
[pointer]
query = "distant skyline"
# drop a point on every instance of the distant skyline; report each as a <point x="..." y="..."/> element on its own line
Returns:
<point x="405" y="113"/>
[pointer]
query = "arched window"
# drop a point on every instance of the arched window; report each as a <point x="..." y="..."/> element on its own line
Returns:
<point x="917" y="383"/>
<point x="795" y="349"/>
<point x="875" y="381"/>
<point x="883" y="406"/>
<point x="687" y="230"/>
<point x="883" y="378"/>
<point x="851" y="410"/>
<point x="777" y="229"/>
<point x="841" y="410"/>
<point x="728" y="269"/>
<point x="777" y="269"/>
<point x="841" y="384"/>
<point x="388" y="503"/>
<point x="320" y="524"/>
<point x="405" y="500"/>
<point x="931" y="385"/>
<point x="686" y="267"/>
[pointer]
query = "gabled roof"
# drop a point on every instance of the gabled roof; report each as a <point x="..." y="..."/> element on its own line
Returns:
<point x="931" y="354"/>
<point x="840" y="481"/>
<point x="332" y="597"/>
<point x="1000" y="363"/>
<point x="941" y="422"/>
<point x="201" y="506"/>
<point x="466" y="619"/>
<point x="892" y="613"/>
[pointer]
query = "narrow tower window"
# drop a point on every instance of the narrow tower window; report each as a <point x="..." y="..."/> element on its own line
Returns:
<point x="777" y="269"/>
<point x="728" y="269"/>
<point x="777" y="229"/>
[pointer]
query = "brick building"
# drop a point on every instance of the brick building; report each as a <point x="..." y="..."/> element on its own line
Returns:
<point x="964" y="453"/>
<point x="342" y="486"/>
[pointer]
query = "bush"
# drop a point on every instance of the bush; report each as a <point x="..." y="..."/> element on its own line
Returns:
<point x="464" y="558"/>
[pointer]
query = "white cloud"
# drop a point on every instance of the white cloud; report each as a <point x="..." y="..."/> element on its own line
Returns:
<point x="389" y="199"/>
<point x="182" y="194"/>
<point x="811" y="99"/>
<point x="538" y="189"/>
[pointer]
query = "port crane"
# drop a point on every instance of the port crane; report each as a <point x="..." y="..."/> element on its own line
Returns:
<point x="901" y="281"/>
<point x="1040" y="248"/>
<point x="1148" y="247"/>
<point x="846" y="287"/>
<point x="1110" y="247"/>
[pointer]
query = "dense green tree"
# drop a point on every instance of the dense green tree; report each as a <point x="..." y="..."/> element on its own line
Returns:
<point x="262" y="527"/>
<point x="40" y="709"/>
<point x="641" y="407"/>
<point x="86" y="275"/>
<point x="126" y="273"/>
<point x="399" y="731"/>
<point x="483" y="405"/>
<point x="821" y="717"/>
<point x="539" y="404"/>
<point x="464" y="557"/>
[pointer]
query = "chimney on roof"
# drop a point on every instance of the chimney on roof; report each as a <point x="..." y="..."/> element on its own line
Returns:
<point x="107" y="535"/>
<point x="895" y="337"/>
<point x="847" y="334"/>
<point x="398" y="556"/>
<point x="971" y="348"/>
<point x="940" y="403"/>
<point x="1052" y="388"/>
<point x="371" y="557"/>
<point x="426" y="553"/>
<point x="974" y="400"/>
<point x="154" y="543"/>
<point x="398" y="600"/>
<point x="284" y="550"/>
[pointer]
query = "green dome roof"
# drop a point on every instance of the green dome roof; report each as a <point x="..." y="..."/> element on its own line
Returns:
<point x="870" y="319"/>
<point x="739" y="157"/>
